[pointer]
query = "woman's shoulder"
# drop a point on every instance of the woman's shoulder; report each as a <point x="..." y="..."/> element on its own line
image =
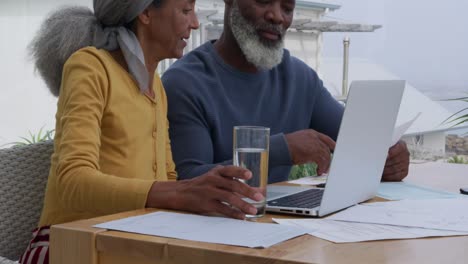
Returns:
<point x="87" y="63"/>
<point x="90" y="53"/>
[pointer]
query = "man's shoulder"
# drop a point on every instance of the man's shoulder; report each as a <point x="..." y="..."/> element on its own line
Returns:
<point x="191" y="74"/>
<point x="194" y="61"/>
<point x="291" y="63"/>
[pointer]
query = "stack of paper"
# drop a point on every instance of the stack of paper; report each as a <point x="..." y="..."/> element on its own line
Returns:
<point x="347" y="232"/>
<point x="442" y="214"/>
<point x="390" y="220"/>
<point x="393" y="190"/>
<point x="206" y="229"/>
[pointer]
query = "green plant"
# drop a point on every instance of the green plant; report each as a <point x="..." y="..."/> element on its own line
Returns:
<point x="299" y="171"/>
<point x="458" y="119"/>
<point x="42" y="135"/>
<point x="458" y="160"/>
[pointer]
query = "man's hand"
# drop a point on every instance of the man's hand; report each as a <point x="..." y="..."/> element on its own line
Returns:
<point x="311" y="146"/>
<point x="209" y="193"/>
<point x="397" y="164"/>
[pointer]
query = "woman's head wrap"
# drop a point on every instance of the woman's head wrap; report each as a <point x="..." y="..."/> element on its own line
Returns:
<point x="71" y="28"/>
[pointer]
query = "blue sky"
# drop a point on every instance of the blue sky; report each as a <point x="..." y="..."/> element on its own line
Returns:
<point x="422" y="41"/>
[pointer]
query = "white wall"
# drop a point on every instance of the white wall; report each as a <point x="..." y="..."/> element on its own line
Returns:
<point x="435" y="141"/>
<point x="426" y="147"/>
<point x="25" y="102"/>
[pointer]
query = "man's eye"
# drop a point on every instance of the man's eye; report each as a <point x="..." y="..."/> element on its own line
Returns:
<point x="288" y="10"/>
<point x="263" y="2"/>
<point x="187" y="11"/>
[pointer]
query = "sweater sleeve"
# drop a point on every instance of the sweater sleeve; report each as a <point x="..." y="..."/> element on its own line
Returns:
<point x="279" y="151"/>
<point x="192" y="145"/>
<point x="170" y="166"/>
<point x="81" y="184"/>
<point x="327" y="113"/>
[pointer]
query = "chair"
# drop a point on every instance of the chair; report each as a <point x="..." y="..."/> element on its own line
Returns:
<point x="23" y="178"/>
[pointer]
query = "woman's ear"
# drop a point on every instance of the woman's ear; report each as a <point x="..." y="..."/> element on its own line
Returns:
<point x="145" y="16"/>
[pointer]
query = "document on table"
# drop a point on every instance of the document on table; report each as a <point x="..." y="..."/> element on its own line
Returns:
<point x="218" y="230"/>
<point x="408" y="191"/>
<point x="393" y="190"/>
<point x="347" y="232"/>
<point x="443" y="214"/>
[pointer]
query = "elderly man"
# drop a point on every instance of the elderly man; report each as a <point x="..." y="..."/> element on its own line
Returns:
<point x="246" y="77"/>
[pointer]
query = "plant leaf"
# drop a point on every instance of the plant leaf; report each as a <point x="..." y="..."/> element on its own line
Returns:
<point x="27" y="141"/>
<point x="39" y="135"/>
<point x="450" y="117"/>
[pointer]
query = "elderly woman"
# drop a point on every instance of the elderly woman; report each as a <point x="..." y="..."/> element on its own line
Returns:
<point x="112" y="150"/>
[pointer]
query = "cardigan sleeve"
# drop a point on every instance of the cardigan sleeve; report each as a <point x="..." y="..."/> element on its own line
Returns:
<point x="80" y="183"/>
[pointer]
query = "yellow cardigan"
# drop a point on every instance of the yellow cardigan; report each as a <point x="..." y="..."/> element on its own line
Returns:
<point x="111" y="141"/>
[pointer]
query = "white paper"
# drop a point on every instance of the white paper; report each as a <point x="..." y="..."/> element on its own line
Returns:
<point x="347" y="232"/>
<point x="205" y="229"/>
<point x="400" y="130"/>
<point x="393" y="190"/>
<point x="443" y="214"/>
<point x="310" y="180"/>
<point x="403" y="190"/>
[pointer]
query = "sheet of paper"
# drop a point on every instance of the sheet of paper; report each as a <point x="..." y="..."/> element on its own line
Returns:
<point x="347" y="232"/>
<point x="310" y="180"/>
<point x="443" y="214"/>
<point x="403" y="190"/>
<point x="400" y="130"/>
<point x="218" y="230"/>
<point x="393" y="190"/>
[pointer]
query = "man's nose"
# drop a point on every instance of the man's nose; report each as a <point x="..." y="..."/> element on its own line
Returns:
<point x="275" y="14"/>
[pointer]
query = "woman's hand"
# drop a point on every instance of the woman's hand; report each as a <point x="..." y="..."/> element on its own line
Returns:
<point x="215" y="192"/>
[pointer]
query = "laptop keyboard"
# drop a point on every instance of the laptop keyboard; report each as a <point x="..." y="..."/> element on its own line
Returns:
<point x="306" y="199"/>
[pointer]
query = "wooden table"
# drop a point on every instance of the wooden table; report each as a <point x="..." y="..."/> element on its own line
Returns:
<point x="79" y="242"/>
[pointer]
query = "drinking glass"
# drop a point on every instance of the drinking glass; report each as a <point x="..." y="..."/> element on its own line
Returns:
<point x="250" y="148"/>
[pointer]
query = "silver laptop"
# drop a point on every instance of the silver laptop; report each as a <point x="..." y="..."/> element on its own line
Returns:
<point x="359" y="158"/>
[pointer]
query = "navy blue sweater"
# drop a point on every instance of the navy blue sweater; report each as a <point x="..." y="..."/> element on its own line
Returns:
<point x="207" y="98"/>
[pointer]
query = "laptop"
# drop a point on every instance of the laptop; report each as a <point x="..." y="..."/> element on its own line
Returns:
<point x="358" y="161"/>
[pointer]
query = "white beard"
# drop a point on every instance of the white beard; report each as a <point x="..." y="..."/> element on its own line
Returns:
<point x="261" y="55"/>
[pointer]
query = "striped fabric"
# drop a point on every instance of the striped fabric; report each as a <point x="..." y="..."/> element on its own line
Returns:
<point x="37" y="251"/>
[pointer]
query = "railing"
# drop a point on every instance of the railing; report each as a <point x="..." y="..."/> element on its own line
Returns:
<point x="344" y="89"/>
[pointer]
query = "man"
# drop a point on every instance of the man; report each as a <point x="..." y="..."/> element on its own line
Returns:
<point x="246" y="77"/>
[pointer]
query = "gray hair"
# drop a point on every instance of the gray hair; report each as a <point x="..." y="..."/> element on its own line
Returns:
<point x="69" y="29"/>
<point x="264" y="56"/>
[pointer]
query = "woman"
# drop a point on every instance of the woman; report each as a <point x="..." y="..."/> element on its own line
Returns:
<point x="112" y="150"/>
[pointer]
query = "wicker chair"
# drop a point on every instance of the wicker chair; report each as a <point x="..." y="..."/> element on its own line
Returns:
<point x="23" y="177"/>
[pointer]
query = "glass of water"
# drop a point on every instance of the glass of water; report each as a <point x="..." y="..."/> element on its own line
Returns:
<point x="251" y="145"/>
